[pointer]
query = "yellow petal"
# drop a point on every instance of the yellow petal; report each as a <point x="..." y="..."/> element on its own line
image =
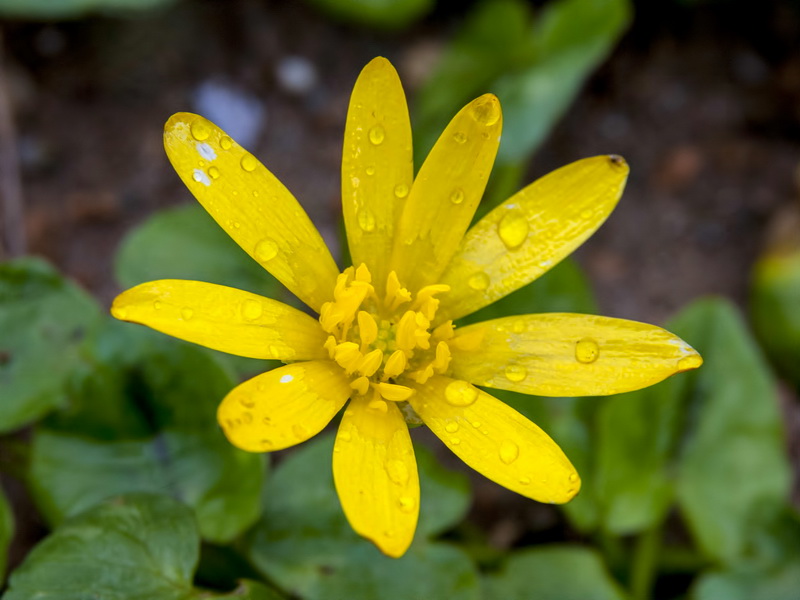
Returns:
<point x="223" y="318"/>
<point x="531" y="232"/>
<point x="283" y="407"/>
<point x="561" y="354"/>
<point x="446" y="193"/>
<point x="377" y="166"/>
<point x="376" y="474"/>
<point x="496" y="440"/>
<point x="252" y="206"/>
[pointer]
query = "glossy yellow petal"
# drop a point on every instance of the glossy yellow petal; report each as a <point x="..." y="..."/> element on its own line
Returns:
<point x="252" y="206"/>
<point x="531" y="232"/>
<point x="376" y="474"/>
<point x="377" y="166"/>
<point x="561" y="354"/>
<point x="223" y="318"/>
<point x="496" y="440"/>
<point x="283" y="407"/>
<point x="446" y="193"/>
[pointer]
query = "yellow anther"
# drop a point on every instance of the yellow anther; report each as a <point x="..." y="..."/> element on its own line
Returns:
<point x="442" y="360"/>
<point x="363" y="274"/>
<point x="371" y="363"/>
<point x="426" y="303"/>
<point x="406" y="331"/>
<point x="422" y="375"/>
<point x="367" y="329"/>
<point x="330" y="345"/>
<point x="396" y="364"/>
<point x="443" y="331"/>
<point x="471" y="341"/>
<point x="396" y="294"/>
<point x="361" y="385"/>
<point x="348" y="356"/>
<point x="393" y="392"/>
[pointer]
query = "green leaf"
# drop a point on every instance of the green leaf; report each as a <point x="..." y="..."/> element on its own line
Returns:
<point x="136" y="547"/>
<point x="61" y="9"/>
<point x="145" y="420"/>
<point x="733" y="464"/>
<point x="186" y="243"/>
<point x="553" y="572"/>
<point x="43" y="319"/>
<point x="775" y="310"/>
<point x="781" y="583"/>
<point x="536" y="71"/>
<point x="380" y="14"/>
<point x="304" y="544"/>
<point x="6" y="532"/>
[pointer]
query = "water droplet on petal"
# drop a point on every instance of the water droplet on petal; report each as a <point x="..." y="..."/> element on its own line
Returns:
<point x="476" y="424"/>
<point x="516" y="373"/>
<point x="200" y="130"/>
<point x="451" y="427"/>
<point x="225" y="142"/>
<point x="479" y="281"/>
<point x="288" y="378"/>
<point x="247" y="401"/>
<point x="370" y="170"/>
<point x="455" y="441"/>
<point x="377" y="135"/>
<point x="156" y="304"/>
<point x="366" y="220"/>
<point x="509" y="452"/>
<point x="457" y="196"/>
<point x="397" y="471"/>
<point x="187" y="313"/>
<point x="248" y="162"/>
<point x="266" y="249"/>
<point x="379" y="406"/>
<point x="213" y="172"/>
<point x="300" y="432"/>
<point x="573" y="477"/>
<point x="460" y="393"/>
<point x="345" y="436"/>
<point x="401" y="190"/>
<point x="518" y="326"/>
<point x="486" y="110"/>
<point x="513" y="229"/>
<point x="524" y="480"/>
<point x="459" y="137"/>
<point x="586" y="214"/>
<point x="252" y="309"/>
<point x="586" y="351"/>
<point x="407" y="504"/>
<point x="247" y="418"/>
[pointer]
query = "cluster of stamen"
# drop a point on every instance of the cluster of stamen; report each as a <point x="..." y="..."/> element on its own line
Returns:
<point x="380" y="340"/>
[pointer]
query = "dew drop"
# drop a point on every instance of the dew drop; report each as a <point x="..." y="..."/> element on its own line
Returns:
<point x="247" y="418"/>
<point x="300" y="432"/>
<point x="248" y="162"/>
<point x="460" y="393"/>
<point x="457" y="196"/>
<point x="225" y="142"/>
<point x="460" y="137"/>
<point x="156" y="304"/>
<point x="476" y="424"/>
<point x="213" y="172"/>
<point x="366" y="220"/>
<point x="509" y="452"/>
<point x="345" y="436"/>
<point x="266" y="249"/>
<point x="486" y="110"/>
<point x="288" y="378"/>
<point x="524" y="480"/>
<point x="187" y="313"/>
<point x="377" y="135"/>
<point x="401" y="190"/>
<point x="247" y="401"/>
<point x="573" y="477"/>
<point x="451" y="427"/>
<point x="200" y="177"/>
<point x="370" y="170"/>
<point x="617" y="161"/>
<point x="518" y="326"/>
<point x="479" y="281"/>
<point x="200" y="130"/>
<point x="586" y="351"/>
<point x="586" y="214"/>
<point x="455" y="441"/>
<point x="397" y="471"/>
<point x="513" y="229"/>
<point x="252" y="309"/>
<point x="267" y="420"/>
<point x="689" y="362"/>
<point x="516" y="373"/>
<point x="266" y="444"/>
<point x="407" y="504"/>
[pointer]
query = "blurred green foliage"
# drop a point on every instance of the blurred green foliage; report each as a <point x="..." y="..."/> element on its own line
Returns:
<point x="67" y="9"/>
<point x="139" y="546"/>
<point x="6" y="532"/>
<point x="534" y="63"/>
<point x="378" y="14"/>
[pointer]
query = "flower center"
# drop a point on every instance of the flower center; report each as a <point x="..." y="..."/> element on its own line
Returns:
<point x="381" y="341"/>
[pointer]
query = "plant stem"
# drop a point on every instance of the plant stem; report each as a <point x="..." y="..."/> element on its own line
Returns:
<point x="645" y="561"/>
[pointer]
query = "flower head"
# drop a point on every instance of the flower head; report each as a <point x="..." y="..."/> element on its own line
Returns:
<point x="384" y="343"/>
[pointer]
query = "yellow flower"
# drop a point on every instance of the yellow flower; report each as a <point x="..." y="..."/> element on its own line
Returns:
<point x="385" y="338"/>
